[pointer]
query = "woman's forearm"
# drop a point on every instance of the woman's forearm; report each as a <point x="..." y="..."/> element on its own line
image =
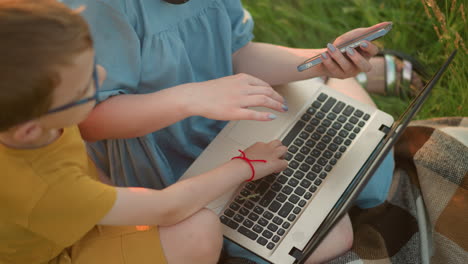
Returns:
<point x="135" y="115"/>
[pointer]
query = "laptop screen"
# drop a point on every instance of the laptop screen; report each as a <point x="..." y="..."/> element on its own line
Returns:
<point x="371" y="165"/>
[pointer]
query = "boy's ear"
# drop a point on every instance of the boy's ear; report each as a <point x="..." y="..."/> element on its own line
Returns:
<point x="28" y="132"/>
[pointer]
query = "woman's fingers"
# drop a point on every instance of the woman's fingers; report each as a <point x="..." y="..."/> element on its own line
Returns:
<point x="268" y="91"/>
<point x="361" y="63"/>
<point x="262" y="100"/>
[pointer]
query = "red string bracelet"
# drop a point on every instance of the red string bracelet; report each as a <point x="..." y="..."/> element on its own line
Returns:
<point x="249" y="161"/>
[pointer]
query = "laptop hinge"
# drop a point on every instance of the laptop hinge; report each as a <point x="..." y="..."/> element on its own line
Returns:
<point x="385" y="129"/>
<point x="296" y="253"/>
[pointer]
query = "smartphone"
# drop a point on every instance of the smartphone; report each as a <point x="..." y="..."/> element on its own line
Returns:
<point x="369" y="36"/>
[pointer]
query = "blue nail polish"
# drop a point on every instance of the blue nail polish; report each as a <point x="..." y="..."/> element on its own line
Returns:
<point x="324" y="55"/>
<point x="285" y="107"/>
<point x="364" y="45"/>
<point x="350" y="51"/>
<point x="330" y="47"/>
<point x="272" y="116"/>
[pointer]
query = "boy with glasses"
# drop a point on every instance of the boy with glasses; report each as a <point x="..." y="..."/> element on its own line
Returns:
<point x="53" y="207"/>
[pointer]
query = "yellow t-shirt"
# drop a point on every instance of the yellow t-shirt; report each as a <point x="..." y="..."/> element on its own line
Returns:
<point x="49" y="199"/>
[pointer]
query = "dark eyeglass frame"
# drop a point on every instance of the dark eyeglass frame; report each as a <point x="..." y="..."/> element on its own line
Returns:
<point x="84" y="100"/>
<point x="176" y="2"/>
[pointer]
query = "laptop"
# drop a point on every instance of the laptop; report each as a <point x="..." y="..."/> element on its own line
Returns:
<point x="335" y="144"/>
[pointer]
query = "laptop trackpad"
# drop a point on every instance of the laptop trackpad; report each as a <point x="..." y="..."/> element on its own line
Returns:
<point x="248" y="132"/>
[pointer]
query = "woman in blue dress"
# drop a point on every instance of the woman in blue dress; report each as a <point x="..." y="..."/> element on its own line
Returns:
<point x="176" y="73"/>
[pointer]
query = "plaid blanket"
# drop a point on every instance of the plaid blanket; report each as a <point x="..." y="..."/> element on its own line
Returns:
<point x="425" y="216"/>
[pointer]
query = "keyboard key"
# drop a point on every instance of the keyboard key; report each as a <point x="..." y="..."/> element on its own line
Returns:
<point x="293" y="149"/>
<point x="268" y="215"/>
<point x="315" y="136"/>
<point x="281" y="231"/>
<point x="342" y="149"/>
<point x="314" y="122"/>
<point x="234" y="206"/>
<point x="246" y="232"/>
<point x="322" y="97"/>
<point x="352" y="136"/>
<point x="257" y="229"/>
<point x="313" y="188"/>
<point x="299" y="191"/>
<point x="366" y="117"/>
<point x="253" y="216"/>
<point x="326" y="139"/>
<point x="229" y="223"/>
<point x="358" y="113"/>
<point x="311" y="111"/>
<point x="272" y="227"/>
<point x="356" y="130"/>
<point x="306" y="117"/>
<point x="286" y="225"/>
<point x="275" y="239"/>
<point x="297" y="210"/>
<point x="307" y="196"/>
<point x="338" y="155"/>
<point x="248" y="223"/>
<point x="305" y="150"/>
<point x="262" y="241"/>
<point x="277" y="220"/>
<point x="348" y="127"/>
<point x="305" y="183"/>
<point x="304" y="135"/>
<point x="293" y="199"/>
<point x="326" y="123"/>
<point x="302" y="203"/>
<point x="275" y="206"/>
<point x="333" y="147"/>
<point x="309" y="160"/>
<point x="343" y="133"/>
<point x="323" y="175"/>
<point x="293" y="133"/>
<point x="293" y="164"/>
<point x="299" y="157"/>
<point x="316" y="104"/>
<point x="347" y="142"/>
<point x="327" y="154"/>
<point x="311" y="176"/>
<point x="348" y="110"/>
<point x="281" y="197"/>
<point x="337" y="126"/>
<point x="328" y="168"/>
<point x="333" y="161"/>
<point x="291" y="217"/>
<point x="353" y="120"/>
<point x="299" y="175"/>
<point x="328" y="104"/>
<point x="288" y="156"/>
<point x="361" y="124"/>
<point x="268" y="234"/>
<point x="238" y="218"/>
<point x="287" y="189"/>
<point x="270" y="245"/>
<point x="258" y="210"/>
<point x="288" y="172"/>
<point x="322" y="161"/>
<point x="338" y="107"/>
<point x="320" y="115"/>
<point x="331" y="116"/>
<point x="304" y="168"/>
<point x="282" y="179"/>
<point x="293" y="182"/>
<point x="310" y="143"/>
<point x="229" y="213"/>
<point x="342" y="119"/>
<point x="309" y="128"/>
<point x="244" y="211"/>
<point x="318" y="182"/>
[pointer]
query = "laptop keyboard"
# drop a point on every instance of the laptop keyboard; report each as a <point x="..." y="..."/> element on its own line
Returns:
<point x="266" y="209"/>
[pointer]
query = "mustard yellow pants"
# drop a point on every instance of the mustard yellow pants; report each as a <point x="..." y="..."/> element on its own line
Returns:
<point x="119" y="245"/>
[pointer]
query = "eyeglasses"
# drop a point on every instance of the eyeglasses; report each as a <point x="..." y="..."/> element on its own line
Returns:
<point x="84" y="100"/>
<point x="176" y="2"/>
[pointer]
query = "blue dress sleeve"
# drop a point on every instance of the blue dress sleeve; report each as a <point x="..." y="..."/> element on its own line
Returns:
<point x="242" y="24"/>
<point x="116" y="43"/>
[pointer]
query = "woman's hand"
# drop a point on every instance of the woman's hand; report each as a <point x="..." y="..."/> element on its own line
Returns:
<point x="273" y="152"/>
<point x="228" y="98"/>
<point x="355" y="60"/>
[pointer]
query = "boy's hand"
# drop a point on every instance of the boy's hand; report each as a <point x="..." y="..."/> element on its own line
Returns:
<point x="273" y="152"/>
<point x="338" y="65"/>
<point x="229" y="97"/>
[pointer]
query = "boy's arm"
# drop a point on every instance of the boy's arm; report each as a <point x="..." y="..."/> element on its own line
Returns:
<point x="140" y="206"/>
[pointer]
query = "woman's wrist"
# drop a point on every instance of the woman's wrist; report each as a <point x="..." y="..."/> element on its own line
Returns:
<point x="242" y="169"/>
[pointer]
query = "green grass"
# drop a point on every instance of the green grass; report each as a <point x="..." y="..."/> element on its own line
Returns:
<point x="314" y="23"/>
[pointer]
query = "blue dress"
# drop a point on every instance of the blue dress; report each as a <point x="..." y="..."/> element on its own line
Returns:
<point x="150" y="45"/>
